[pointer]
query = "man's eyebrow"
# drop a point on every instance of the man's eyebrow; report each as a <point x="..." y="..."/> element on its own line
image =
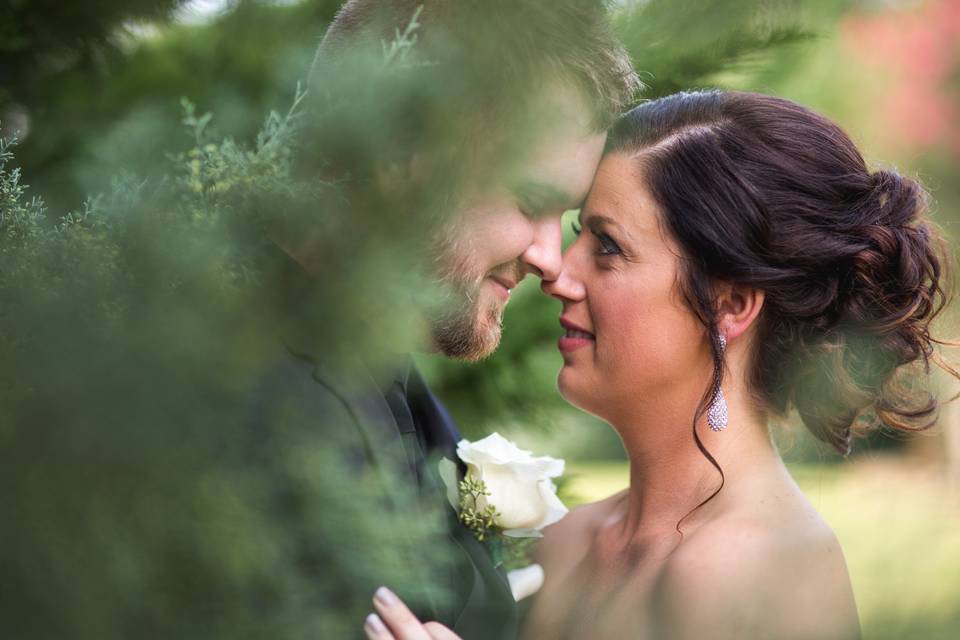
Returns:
<point x="541" y="196"/>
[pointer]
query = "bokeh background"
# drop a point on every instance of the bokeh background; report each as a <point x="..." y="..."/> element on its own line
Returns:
<point x="94" y="91"/>
<point x="889" y="73"/>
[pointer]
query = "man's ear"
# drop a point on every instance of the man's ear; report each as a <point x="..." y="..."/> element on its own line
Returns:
<point x="737" y="308"/>
<point x="398" y="175"/>
<point x="392" y="175"/>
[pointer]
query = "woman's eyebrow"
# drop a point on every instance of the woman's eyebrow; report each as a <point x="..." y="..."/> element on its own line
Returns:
<point x="597" y="220"/>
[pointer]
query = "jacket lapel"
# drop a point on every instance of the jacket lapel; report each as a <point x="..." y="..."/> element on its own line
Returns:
<point x="385" y="450"/>
<point x="373" y="419"/>
<point x="485" y="597"/>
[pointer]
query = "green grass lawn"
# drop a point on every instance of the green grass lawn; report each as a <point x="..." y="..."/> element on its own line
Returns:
<point x="899" y="525"/>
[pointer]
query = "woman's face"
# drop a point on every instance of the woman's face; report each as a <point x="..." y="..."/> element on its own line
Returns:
<point x="630" y="336"/>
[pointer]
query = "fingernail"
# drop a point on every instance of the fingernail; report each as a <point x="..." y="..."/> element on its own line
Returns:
<point x="375" y="624"/>
<point x="386" y="597"/>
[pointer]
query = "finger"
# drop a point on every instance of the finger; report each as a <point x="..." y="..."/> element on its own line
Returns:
<point x="375" y="629"/>
<point x="399" y="619"/>
<point x="439" y="632"/>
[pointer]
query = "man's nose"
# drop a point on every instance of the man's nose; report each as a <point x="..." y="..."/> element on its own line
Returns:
<point x="543" y="256"/>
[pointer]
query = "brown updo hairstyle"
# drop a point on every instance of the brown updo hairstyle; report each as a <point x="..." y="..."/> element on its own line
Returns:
<point x="762" y="192"/>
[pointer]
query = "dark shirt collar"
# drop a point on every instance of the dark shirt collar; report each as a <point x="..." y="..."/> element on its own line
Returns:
<point x="393" y="370"/>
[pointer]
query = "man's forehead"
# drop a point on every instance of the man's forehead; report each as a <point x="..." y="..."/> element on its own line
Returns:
<point x="562" y="170"/>
<point x="542" y="194"/>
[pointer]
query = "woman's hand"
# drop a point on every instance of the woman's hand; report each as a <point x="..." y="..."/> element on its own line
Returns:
<point x="396" y="622"/>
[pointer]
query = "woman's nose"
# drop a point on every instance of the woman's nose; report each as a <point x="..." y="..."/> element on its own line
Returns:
<point x="566" y="286"/>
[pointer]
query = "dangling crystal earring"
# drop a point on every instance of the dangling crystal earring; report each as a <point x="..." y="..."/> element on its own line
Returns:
<point x="717" y="412"/>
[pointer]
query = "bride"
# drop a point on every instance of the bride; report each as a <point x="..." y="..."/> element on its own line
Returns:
<point x="737" y="259"/>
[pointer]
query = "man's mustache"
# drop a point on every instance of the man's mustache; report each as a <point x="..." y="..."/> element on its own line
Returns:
<point x="512" y="272"/>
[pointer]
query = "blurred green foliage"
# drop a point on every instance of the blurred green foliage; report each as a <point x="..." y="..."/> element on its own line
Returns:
<point x="41" y="37"/>
<point x="153" y="488"/>
<point x="119" y="109"/>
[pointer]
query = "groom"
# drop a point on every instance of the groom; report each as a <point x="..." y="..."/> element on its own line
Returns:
<point x="536" y="85"/>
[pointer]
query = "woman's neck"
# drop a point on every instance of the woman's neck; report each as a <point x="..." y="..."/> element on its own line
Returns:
<point x="669" y="474"/>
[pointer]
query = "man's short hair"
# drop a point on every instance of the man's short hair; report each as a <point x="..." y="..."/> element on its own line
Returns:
<point x="496" y="51"/>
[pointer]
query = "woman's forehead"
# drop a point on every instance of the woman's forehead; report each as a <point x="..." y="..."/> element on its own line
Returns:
<point x="621" y="194"/>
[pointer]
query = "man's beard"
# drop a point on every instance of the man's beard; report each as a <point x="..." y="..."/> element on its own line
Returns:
<point x="467" y="327"/>
<point x="466" y="324"/>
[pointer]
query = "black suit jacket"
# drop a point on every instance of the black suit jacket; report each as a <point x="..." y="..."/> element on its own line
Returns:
<point x="402" y="431"/>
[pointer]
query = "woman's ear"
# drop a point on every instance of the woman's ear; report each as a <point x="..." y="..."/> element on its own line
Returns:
<point x="737" y="307"/>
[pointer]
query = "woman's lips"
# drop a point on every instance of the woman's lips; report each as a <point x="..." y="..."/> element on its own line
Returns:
<point x="574" y="338"/>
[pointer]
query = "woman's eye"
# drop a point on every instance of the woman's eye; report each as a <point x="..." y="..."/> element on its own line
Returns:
<point x="607" y="246"/>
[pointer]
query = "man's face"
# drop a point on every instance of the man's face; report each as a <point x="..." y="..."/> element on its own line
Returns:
<point x="503" y="232"/>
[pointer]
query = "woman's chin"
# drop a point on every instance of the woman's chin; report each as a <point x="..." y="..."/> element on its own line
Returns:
<point x="571" y="387"/>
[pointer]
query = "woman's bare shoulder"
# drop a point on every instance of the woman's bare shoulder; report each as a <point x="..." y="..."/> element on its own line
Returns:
<point x="776" y="574"/>
<point x="574" y="530"/>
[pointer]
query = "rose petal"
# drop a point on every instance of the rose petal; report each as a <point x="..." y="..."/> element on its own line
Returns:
<point x="515" y="494"/>
<point x="525" y="582"/>
<point x="522" y="533"/>
<point x="492" y="449"/>
<point x="554" y="507"/>
<point x="448" y="474"/>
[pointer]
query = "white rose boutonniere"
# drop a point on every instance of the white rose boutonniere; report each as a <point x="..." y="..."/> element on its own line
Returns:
<point x="506" y="495"/>
<point x="518" y="485"/>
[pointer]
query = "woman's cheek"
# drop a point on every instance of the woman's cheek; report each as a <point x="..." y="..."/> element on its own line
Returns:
<point x="640" y="343"/>
<point x="618" y="335"/>
<point x="625" y="358"/>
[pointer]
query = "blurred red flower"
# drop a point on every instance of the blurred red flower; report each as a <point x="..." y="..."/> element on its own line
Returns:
<point x="919" y="49"/>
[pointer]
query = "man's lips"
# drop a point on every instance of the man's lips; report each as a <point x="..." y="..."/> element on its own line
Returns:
<point x="506" y="283"/>
<point x="503" y="285"/>
<point x="575" y="337"/>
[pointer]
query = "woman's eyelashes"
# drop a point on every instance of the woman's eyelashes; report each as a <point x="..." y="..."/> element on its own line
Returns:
<point x="608" y="247"/>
